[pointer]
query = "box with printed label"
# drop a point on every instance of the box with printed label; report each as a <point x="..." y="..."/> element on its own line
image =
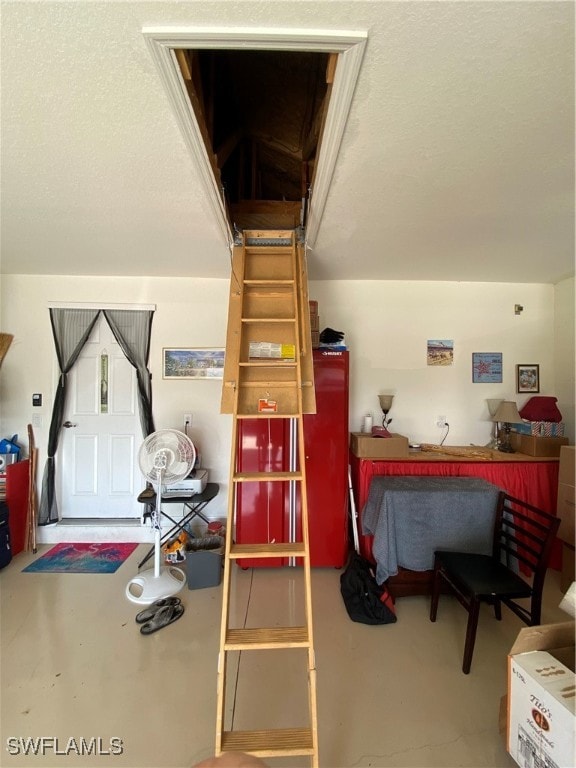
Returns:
<point x="541" y="697"/>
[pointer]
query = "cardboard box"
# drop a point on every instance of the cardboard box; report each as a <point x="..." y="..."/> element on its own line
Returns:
<point x="367" y="447"/>
<point x="533" y="445"/>
<point x="566" y="511"/>
<point x="541" y="714"/>
<point x="567" y="465"/>
<point x="567" y="575"/>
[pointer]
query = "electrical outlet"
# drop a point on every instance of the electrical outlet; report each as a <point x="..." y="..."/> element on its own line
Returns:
<point x="441" y="421"/>
<point x="188" y="419"/>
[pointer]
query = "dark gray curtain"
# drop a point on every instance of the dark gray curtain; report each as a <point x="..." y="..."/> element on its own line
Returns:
<point x="71" y="329"/>
<point x="132" y="330"/>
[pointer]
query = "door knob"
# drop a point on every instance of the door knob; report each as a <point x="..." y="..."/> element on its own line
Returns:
<point x="68" y="424"/>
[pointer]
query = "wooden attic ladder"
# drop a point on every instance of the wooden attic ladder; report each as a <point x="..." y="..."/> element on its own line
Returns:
<point x="268" y="303"/>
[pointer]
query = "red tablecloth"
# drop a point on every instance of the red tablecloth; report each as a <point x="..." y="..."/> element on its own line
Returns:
<point x="533" y="481"/>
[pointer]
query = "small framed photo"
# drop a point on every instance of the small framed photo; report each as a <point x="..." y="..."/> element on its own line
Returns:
<point x="199" y="363"/>
<point x="527" y="378"/>
<point x="487" y="367"/>
<point x="440" y="352"/>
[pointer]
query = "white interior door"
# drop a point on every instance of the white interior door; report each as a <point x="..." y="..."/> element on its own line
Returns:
<point x="97" y="453"/>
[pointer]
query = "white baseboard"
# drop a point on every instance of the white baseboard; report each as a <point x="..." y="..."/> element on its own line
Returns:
<point x="92" y="531"/>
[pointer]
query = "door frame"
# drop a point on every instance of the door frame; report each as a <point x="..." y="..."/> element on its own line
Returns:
<point x="349" y="45"/>
<point x="95" y="306"/>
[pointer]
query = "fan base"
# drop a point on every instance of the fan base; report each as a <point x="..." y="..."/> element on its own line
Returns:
<point x="146" y="588"/>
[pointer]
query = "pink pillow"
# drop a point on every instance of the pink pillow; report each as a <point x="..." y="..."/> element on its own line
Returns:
<point x="541" y="409"/>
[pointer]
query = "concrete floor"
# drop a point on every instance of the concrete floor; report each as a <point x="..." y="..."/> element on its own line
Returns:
<point x="74" y="665"/>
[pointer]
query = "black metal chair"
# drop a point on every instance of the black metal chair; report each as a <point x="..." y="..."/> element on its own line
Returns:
<point x="523" y="537"/>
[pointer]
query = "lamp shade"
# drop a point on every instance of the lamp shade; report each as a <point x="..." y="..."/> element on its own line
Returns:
<point x="385" y="402"/>
<point x="507" y="412"/>
<point x="493" y="404"/>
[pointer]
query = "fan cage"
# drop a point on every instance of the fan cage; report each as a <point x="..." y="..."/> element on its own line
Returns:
<point x="167" y="456"/>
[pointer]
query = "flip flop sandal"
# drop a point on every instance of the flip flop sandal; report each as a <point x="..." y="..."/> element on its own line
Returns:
<point x="163" y="617"/>
<point x="148" y="613"/>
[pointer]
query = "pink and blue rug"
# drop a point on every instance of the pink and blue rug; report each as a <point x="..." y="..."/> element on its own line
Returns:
<point x="82" y="558"/>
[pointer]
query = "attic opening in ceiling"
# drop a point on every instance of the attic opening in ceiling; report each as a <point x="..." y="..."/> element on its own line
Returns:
<point x="261" y="114"/>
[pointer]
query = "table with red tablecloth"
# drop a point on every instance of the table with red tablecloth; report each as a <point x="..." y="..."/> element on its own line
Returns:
<point x="528" y="478"/>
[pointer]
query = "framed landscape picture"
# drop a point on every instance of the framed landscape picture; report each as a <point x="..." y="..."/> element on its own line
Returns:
<point x="527" y="377"/>
<point x="486" y="367"/>
<point x="200" y="363"/>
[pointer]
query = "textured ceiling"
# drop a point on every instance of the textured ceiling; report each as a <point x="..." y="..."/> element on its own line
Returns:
<point x="457" y="161"/>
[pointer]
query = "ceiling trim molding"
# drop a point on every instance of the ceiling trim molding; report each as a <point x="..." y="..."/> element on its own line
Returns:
<point x="162" y="41"/>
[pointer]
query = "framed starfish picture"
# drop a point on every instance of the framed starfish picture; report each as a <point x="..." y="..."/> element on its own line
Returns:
<point x="486" y="367"/>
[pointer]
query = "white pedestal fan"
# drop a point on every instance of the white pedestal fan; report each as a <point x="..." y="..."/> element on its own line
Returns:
<point x="165" y="457"/>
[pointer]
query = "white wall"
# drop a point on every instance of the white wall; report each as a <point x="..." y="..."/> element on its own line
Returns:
<point x="387" y="325"/>
<point x="564" y="350"/>
<point x="188" y="313"/>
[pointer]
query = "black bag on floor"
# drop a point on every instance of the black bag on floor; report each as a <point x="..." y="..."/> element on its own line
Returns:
<point x="365" y="601"/>
<point x="5" y="548"/>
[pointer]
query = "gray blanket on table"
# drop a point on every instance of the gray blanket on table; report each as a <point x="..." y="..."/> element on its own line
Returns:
<point x="410" y="517"/>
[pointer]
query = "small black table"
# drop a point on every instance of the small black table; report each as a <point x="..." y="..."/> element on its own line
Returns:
<point x="194" y="504"/>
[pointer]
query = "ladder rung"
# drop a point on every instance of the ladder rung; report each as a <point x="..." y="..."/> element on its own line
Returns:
<point x="259" y="638"/>
<point x="273" y="363"/>
<point x="266" y="234"/>
<point x="264" y="384"/>
<point x="268" y="249"/>
<point x="261" y="282"/>
<point x="287" y="549"/>
<point x="274" y="320"/>
<point x="272" y="743"/>
<point x="268" y="415"/>
<point x="265" y="477"/>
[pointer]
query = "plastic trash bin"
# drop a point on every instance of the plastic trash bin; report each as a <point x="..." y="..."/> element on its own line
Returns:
<point x="204" y="562"/>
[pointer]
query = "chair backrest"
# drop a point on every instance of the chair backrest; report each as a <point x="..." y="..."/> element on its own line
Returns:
<point x="523" y="538"/>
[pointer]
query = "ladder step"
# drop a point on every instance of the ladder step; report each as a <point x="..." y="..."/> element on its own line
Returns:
<point x="272" y="743"/>
<point x="271" y="363"/>
<point x="294" y="415"/>
<point x="269" y="249"/>
<point x="266" y="234"/>
<point x="265" y="477"/>
<point x="287" y="549"/>
<point x="260" y="638"/>
<point x="265" y="384"/>
<point x="275" y="320"/>
<point x="261" y="282"/>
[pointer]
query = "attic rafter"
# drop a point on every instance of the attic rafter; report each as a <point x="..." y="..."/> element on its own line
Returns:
<point x="312" y="147"/>
<point x="228" y="146"/>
